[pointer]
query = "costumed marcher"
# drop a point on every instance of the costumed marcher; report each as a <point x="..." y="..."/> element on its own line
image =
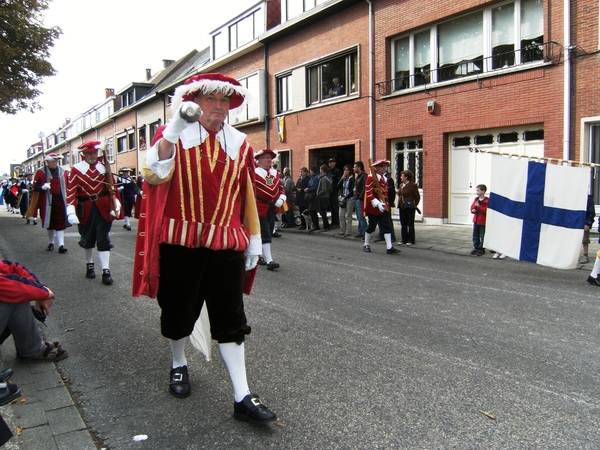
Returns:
<point x="13" y="195"/>
<point x="199" y="224"/>
<point x="26" y="187"/>
<point x="50" y="197"/>
<point x="92" y="204"/>
<point x="128" y="189"/>
<point x="139" y="182"/>
<point x="270" y="196"/>
<point x="377" y="207"/>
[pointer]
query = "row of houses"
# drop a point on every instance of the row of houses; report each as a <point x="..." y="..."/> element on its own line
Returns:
<point x="429" y="85"/>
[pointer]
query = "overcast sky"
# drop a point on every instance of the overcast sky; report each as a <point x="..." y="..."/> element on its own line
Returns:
<point x="108" y="44"/>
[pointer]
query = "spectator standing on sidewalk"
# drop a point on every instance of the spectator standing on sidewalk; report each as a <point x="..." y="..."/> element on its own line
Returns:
<point x="359" y="195"/>
<point x="346" y="201"/>
<point x="590" y="217"/>
<point x="301" y="186"/>
<point x="335" y="175"/>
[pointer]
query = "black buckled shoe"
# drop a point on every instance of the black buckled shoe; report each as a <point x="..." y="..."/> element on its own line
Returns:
<point x="367" y="248"/>
<point x="127" y="227"/>
<point x="180" y="383"/>
<point x="272" y="265"/>
<point x="6" y="374"/>
<point x="392" y="251"/>
<point x="8" y="392"/>
<point x="89" y="270"/>
<point x="261" y="261"/>
<point x="592" y="280"/>
<point x="252" y="410"/>
<point x="62" y="249"/>
<point x="50" y="248"/>
<point x="106" y="278"/>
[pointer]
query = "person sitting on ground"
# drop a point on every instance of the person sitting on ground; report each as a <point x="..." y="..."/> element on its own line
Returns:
<point x="19" y="287"/>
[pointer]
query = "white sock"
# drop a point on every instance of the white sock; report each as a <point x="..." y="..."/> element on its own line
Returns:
<point x="388" y="240"/>
<point x="367" y="238"/>
<point x="60" y="237"/>
<point x="596" y="269"/>
<point x="88" y="255"/>
<point x="266" y="248"/>
<point x="50" y="236"/>
<point x="127" y="220"/>
<point x="178" y="350"/>
<point x="104" y="259"/>
<point x="233" y="355"/>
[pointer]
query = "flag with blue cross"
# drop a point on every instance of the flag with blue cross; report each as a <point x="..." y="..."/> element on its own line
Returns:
<point x="537" y="211"/>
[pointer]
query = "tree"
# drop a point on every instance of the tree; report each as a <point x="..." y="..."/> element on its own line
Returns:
<point x="24" y="51"/>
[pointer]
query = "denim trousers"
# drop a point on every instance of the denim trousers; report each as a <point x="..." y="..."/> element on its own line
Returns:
<point x="23" y="326"/>
<point x="362" y="221"/>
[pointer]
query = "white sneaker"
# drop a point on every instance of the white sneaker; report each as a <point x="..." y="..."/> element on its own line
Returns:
<point x="502" y="256"/>
<point x="496" y="255"/>
<point x="584" y="259"/>
<point x="408" y="243"/>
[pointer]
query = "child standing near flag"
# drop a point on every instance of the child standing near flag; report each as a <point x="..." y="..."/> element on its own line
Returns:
<point x="479" y="211"/>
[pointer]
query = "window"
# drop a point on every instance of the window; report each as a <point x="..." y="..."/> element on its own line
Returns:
<point x="333" y="78"/>
<point x="293" y="8"/>
<point x="131" y="141"/>
<point x="253" y="109"/>
<point x="493" y="38"/>
<point x="110" y="149"/>
<point x="408" y="155"/>
<point x="122" y="143"/>
<point x="284" y="93"/>
<point x="153" y="127"/>
<point x="142" y="138"/>
<point x="239" y="33"/>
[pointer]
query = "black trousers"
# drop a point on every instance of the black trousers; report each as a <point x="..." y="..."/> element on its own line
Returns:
<point x="191" y="276"/>
<point x="384" y="220"/>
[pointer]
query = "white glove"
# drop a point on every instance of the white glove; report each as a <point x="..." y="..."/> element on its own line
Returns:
<point x="46" y="186"/>
<point x="117" y="210"/>
<point x="120" y="188"/>
<point x="176" y="125"/>
<point x="24" y="191"/>
<point x="251" y="262"/>
<point x="278" y="203"/>
<point x="378" y="204"/>
<point x="71" y="216"/>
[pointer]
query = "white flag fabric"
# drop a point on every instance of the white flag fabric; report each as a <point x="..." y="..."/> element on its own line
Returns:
<point x="537" y="211"/>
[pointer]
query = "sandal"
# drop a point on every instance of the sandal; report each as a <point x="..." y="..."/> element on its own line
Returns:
<point x="51" y="352"/>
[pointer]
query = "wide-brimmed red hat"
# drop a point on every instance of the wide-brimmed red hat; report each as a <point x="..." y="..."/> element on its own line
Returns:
<point x="207" y="83"/>
<point x="265" y="151"/>
<point x="89" y="146"/>
<point x="52" y="157"/>
<point x="381" y="162"/>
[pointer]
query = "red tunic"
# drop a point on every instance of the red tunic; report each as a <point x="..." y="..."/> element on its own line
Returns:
<point x="86" y="181"/>
<point x="58" y="185"/>
<point x="370" y="194"/>
<point x="201" y="205"/>
<point x="19" y="285"/>
<point x="269" y="188"/>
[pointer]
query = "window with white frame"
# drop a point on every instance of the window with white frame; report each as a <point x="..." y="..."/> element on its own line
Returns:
<point x="293" y="8"/>
<point x="332" y="78"/>
<point x="122" y="143"/>
<point x="496" y="37"/>
<point x="408" y="155"/>
<point x="284" y="93"/>
<point x="109" y="148"/>
<point x="253" y="109"/>
<point x="239" y="33"/>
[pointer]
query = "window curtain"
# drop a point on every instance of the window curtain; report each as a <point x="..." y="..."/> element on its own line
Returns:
<point x="460" y="39"/>
<point x="422" y="49"/>
<point x="503" y="25"/>
<point x="532" y="19"/>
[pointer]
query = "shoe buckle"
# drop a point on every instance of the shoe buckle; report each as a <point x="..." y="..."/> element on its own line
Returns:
<point x="256" y="401"/>
<point x="177" y="377"/>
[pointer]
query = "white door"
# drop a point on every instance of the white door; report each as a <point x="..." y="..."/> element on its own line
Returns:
<point x="471" y="166"/>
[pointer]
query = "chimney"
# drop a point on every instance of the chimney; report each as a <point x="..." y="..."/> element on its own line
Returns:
<point x="167" y="62"/>
<point x="109" y="92"/>
<point x="148" y="74"/>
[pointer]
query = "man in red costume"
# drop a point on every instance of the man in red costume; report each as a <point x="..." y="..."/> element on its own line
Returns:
<point x="270" y="194"/>
<point x="92" y="207"/>
<point x="50" y="189"/>
<point x="199" y="232"/>
<point x="377" y="208"/>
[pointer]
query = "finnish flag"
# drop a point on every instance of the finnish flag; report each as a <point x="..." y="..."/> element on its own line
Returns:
<point x="537" y="211"/>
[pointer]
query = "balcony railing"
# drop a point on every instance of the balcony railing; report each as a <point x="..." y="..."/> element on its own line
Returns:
<point x="500" y="61"/>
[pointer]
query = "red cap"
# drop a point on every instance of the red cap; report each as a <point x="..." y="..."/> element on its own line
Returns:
<point x="381" y="162"/>
<point x="89" y="146"/>
<point x="265" y="151"/>
<point x="53" y="157"/>
<point x="206" y="83"/>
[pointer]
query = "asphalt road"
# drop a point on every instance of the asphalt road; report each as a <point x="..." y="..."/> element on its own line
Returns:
<point x="427" y="350"/>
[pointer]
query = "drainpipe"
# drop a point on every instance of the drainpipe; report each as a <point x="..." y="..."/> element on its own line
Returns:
<point x="567" y="82"/>
<point x="371" y="99"/>
<point x="267" y="140"/>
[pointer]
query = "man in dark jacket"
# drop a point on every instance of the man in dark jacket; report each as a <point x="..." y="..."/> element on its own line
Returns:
<point x="301" y="186"/>
<point x="335" y="174"/>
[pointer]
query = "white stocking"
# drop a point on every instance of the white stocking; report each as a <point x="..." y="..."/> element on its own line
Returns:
<point x="367" y="238"/>
<point x="104" y="259"/>
<point x="178" y="350"/>
<point x="233" y="355"/>
<point x="60" y="237"/>
<point x="88" y="255"/>
<point x="50" y="236"/>
<point x="596" y="269"/>
<point x="266" y="248"/>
